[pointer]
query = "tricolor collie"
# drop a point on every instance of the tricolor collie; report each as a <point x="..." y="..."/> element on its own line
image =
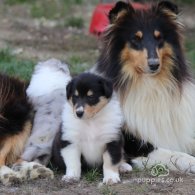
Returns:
<point x="15" y="124"/>
<point x="143" y="56"/>
<point x="92" y="119"/>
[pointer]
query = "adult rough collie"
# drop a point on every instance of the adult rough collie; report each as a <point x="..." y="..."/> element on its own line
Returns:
<point x="91" y="130"/>
<point x="143" y="57"/>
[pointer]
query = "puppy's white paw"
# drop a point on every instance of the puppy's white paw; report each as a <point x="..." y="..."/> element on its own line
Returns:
<point x="111" y="178"/>
<point x="125" y="167"/>
<point x="8" y="176"/>
<point x="70" y="179"/>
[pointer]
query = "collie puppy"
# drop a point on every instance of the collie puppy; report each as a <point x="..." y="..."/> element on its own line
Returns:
<point x="91" y="129"/>
<point x="143" y="56"/>
<point x="15" y="124"/>
<point x="47" y="94"/>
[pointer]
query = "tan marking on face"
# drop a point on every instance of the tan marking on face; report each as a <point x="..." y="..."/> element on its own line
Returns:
<point x="76" y="93"/>
<point x="121" y="14"/>
<point x="89" y="93"/>
<point x="133" y="62"/>
<point x="165" y="55"/>
<point x="157" y="34"/>
<point x="90" y="111"/>
<point x="139" y="34"/>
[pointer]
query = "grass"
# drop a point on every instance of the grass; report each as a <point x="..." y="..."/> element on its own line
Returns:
<point x="190" y="51"/>
<point x="76" y="22"/>
<point x="106" y="190"/>
<point x="11" y="65"/>
<point x="77" y="64"/>
<point x="53" y="9"/>
<point x="92" y="175"/>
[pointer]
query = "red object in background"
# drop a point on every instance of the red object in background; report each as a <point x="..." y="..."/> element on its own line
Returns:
<point x="100" y="16"/>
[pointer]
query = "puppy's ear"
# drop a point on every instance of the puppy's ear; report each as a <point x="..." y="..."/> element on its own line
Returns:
<point x="107" y="88"/>
<point x="69" y="90"/>
<point x="121" y="8"/>
<point x="168" y="6"/>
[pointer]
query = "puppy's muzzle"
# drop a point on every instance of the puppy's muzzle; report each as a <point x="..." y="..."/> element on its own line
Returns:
<point x="80" y="111"/>
<point x="79" y="114"/>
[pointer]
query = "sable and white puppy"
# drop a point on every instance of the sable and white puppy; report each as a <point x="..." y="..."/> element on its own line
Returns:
<point x="92" y="119"/>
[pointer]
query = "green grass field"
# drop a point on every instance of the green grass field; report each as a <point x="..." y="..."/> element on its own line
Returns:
<point x="12" y="65"/>
<point x="64" y="10"/>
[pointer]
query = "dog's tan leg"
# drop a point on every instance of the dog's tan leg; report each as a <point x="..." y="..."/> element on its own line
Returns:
<point x="11" y="150"/>
<point x="5" y="150"/>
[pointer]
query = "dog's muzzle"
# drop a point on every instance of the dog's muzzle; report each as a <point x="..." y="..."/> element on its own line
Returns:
<point x="153" y="64"/>
<point x="80" y="111"/>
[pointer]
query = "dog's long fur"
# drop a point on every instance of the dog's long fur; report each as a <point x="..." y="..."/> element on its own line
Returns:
<point x="92" y="119"/>
<point x="15" y="121"/>
<point x="47" y="93"/>
<point x="143" y="56"/>
<point x="15" y="124"/>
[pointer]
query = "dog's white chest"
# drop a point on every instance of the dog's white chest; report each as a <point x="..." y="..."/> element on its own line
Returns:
<point x="92" y="148"/>
<point x="161" y="118"/>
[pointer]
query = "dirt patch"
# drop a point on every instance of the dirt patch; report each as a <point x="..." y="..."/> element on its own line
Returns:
<point x="132" y="183"/>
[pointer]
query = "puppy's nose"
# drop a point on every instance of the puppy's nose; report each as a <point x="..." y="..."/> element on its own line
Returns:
<point x="79" y="113"/>
<point x="153" y="64"/>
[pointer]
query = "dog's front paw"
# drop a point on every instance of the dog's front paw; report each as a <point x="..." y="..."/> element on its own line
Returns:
<point x="37" y="170"/>
<point x="70" y="179"/>
<point x="8" y="176"/>
<point x="111" y="178"/>
<point x="33" y="170"/>
<point x="125" y="167"/>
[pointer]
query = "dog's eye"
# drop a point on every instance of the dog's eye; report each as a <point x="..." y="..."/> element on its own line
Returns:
<point x="159" y="37"/>
<point x="90" y="96"/>
<point x="135" y="41"/>
<point x="75" y="96"/>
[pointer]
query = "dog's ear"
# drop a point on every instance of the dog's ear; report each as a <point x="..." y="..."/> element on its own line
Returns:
<point x="69" y="90"/>
<point x="168" y="6"/>
<point x="121" y="8"/>
<point x="107" y="88"/>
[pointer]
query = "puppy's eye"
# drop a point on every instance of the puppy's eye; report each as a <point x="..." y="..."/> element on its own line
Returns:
<point x="75" y="96"/>
<point x="90" y="96"/>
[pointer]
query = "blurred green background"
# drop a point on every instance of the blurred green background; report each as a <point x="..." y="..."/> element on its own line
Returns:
<point x="35" y="30"/>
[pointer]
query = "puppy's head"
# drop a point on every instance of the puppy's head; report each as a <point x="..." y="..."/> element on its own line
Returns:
<point x="88" y="94"/>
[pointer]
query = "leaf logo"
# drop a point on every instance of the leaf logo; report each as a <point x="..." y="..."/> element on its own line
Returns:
<point x="159" y="170"/>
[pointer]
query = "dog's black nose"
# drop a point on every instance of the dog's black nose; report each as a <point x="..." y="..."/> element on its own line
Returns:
<point x="79" y="113"/>
<point x="154" y="67"/>
<point x="153" y="64"/>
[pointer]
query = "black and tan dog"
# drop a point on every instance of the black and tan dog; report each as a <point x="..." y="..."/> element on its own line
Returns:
<point x="143" y="56"/>
<point x="15" y="122"/>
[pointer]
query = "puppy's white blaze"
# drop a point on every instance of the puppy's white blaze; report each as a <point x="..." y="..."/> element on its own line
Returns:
<point x="91" y="135"/>
<point x="174" y="160"/>
<point x="48" y="76"/>
<point x="156" y="112"/>
<point x="80" y="109"/>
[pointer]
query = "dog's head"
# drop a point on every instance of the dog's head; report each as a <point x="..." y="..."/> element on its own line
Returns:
<point x="146" y="41"/>
<point x="88" y="94"/>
